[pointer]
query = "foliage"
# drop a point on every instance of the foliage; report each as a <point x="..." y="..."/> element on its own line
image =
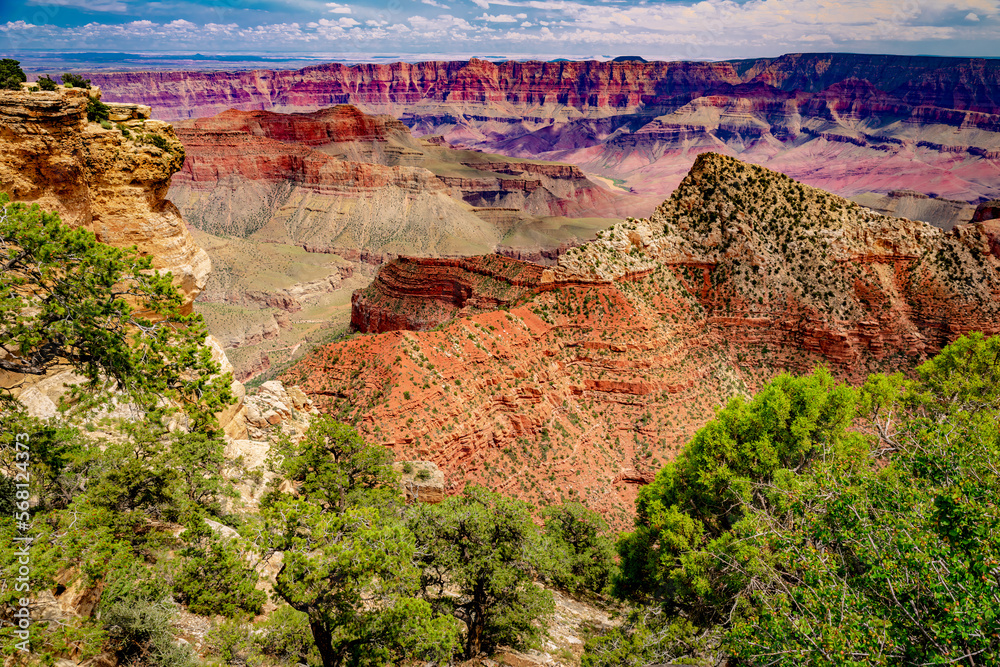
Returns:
<point x="65" y="298"/>
<point x="729" y="465"/>
<point x="140" y="634"/>
<point x="884" y="555"/>
<point x="11" y="74"/>
<point x="647" y="637"/>
<point x="213" y="577"/>
<point x="97" y="110"/>
<point x="336" y="468"/>
<point x="75" y="80"/>
<point x="47" y="83"/>
<point x="581" y="552"/>
<point x="348" y="558"/>
<point x="157" y="140"/>
<point x="484" y="545"/>
<point x="100" y="495"/>
<point x="286" y="636"/>
<point x="282" y="638"/>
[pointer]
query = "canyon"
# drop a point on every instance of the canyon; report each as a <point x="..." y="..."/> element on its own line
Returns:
<point x="580" y="380"/>
<point x="854" y="124"/>
<point x="297" y="209"/>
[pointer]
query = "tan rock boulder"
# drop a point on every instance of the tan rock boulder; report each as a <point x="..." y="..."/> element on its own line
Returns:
<point x="422" y="481"/>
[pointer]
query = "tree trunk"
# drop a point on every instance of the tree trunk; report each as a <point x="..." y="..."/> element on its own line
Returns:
<point x="324" y="643"/>
<point x="474" y="638"/>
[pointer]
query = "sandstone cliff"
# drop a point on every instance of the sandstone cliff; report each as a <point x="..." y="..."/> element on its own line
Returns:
<point x="596" y="371"/>
<point x="100" y="179"/>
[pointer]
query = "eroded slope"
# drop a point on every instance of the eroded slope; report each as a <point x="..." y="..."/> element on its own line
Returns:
<point x="589" y="381"/>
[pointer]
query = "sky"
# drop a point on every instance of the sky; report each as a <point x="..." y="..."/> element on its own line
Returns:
<point x="666" y="30"/>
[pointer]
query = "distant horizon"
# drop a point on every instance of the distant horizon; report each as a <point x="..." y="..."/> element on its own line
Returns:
<point x="47" y="59"/>
<point x="669" y="30"/>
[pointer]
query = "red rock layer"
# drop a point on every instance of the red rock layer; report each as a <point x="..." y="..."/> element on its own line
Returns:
<point x="214" y="155"/>
<point x="606" y="365"/>
<point x="340" y="123"/>
<point x="420" y="293"/>
<point x="989" y="210"/>
<point x="952" y="83"/>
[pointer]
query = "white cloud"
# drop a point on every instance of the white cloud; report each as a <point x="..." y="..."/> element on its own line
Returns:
<point x="501" y="18"/>
<point x="112" y="6"/>
<point x="17" y="25"/>
<point x="682" y="29"/>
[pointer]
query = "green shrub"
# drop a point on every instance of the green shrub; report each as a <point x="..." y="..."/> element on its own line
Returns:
<point x="286" y="636"/>
<point x="11" y="74"/>
<point x="158" y="141"/>
<point x="47" y="83"/>
<point x="214" y="579"/>
<point x="75" y="81"/>
<point x="407" y="468"/>
<point x="97" y="110"/>
<point x="139" y="633"/>
<point x="818" y="522"/>
<point x="581" y="551"/>
<point x="106" y="125"/>
<point x="232" y="642"/>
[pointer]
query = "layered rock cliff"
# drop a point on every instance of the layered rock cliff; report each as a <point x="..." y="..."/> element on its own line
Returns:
<point x="338" y="180"/>
<point x="844" y="122"/>
<point x="967" y="84"/>
<point x="594" y="372"/>
<point x="112" y="182"/>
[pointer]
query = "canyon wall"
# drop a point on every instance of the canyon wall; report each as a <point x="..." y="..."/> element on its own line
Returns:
<point x="594" y="88"/>
<point x="848" y="123"/>
<point x="591" y="374"/>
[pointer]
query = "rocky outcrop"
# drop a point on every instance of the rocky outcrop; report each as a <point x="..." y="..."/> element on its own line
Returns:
<point x="422" y="481"/>
<point x="989" y="210"/>
<point x="599" y="369"/>
<point x="421" y="293"/>
<point x="110" y="181"/>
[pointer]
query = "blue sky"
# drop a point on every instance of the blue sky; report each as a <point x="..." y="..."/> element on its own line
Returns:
<point x="675" y="29"/>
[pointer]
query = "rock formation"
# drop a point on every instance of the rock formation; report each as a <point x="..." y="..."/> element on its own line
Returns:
<point x="341" y="181"/>
<point x="848" y="123"/>
<point x="110" y="181"/>
<point x="989" y="210"/>
<point x="594" y="372"/>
